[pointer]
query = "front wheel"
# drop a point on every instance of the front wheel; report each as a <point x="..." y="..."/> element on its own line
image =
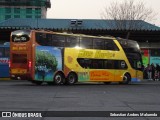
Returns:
<point x="58" y="78"/>
<point x="126" y="79"/>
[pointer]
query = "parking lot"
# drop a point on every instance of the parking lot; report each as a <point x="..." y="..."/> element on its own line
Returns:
<point x="25" y="96"/>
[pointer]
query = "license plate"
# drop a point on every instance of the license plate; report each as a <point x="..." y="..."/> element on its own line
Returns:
<point x="18" y="71"/>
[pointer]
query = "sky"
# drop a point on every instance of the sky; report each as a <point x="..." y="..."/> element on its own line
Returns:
<point x="91" y="9"/>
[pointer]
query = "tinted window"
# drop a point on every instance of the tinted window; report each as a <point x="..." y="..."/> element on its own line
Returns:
<point x="50" y="39"/>
<point x="102" y="63"/>
<point x="72" y="41"/>
<point x="58" y="40"/>
<point x="19" y="58"/>
<point x="129" y="45"/>
<point x="98" y="44"/>
<point x="104" y="44"/>
<point x="86" y="42"/>
<point x="110" y="45"/>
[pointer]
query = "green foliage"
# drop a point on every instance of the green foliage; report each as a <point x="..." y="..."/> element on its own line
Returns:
<point x="46" y="59"/>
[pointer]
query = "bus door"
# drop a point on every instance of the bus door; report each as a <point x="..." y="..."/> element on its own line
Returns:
<point x="120" y="67"/>
<point x="139" y="70"/>
<point x="137" y="65"/>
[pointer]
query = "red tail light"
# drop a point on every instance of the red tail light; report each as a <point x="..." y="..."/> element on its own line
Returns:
<point x="30" y="64"/>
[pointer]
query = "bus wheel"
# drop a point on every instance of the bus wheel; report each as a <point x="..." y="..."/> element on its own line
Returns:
<point x="126" y="79"/>
<point x="58" y="78"/>
<point x="71" y="78"/>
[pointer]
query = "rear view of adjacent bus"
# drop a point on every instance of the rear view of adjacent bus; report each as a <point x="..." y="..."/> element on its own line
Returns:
<point x="4" y="61"/>
<point x="20" y="55"/>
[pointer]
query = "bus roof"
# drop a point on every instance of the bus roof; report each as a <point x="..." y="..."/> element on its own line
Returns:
<point x="73" y="34"/>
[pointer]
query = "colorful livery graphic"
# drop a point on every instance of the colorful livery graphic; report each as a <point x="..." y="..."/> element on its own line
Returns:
<point x="42" y="56"/>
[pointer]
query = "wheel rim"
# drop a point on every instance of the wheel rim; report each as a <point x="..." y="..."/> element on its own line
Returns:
<point x="71" y="79"/>
<point x="125" y="79"/>
<point x="58" y="79"/>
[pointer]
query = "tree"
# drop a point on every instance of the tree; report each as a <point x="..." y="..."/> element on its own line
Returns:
<point x="45" y="62"/>
<point x="128" y="15"/>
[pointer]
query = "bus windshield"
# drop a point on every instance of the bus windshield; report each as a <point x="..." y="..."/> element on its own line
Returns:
<point x="133" y="53"/>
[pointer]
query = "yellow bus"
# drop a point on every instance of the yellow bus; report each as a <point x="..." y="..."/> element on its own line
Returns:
<point x="61" y="58"/>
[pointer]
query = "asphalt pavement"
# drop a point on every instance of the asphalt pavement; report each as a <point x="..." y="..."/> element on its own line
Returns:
<point x="23" y="96"/>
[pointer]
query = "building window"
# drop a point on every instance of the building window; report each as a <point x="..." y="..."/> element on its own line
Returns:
<point x="38" y="10"/>
<point x="7" y="10"/>
<point x="16" y="16"/>
<point x="38" y="16"/>
<point x="17" y="10"/>
<point x="29" y="10"/>
<point x="28" y="16"/>
<point x="7" y="17"/>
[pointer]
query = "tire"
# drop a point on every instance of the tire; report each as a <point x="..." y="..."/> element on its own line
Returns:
<point x="71" y="78"/>
<point x="126" y="79"/>
<point x="58" y="78"/>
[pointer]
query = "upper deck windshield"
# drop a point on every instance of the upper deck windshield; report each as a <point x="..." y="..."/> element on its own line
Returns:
<point x="21" y="36"/>
<point x="133" y="52"/>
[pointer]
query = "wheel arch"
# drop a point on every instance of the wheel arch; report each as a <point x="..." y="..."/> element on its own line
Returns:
<point x="127" y="73"/>
<point x="59" y="71"/>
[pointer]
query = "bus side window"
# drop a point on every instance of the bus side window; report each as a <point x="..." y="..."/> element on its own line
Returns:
<point x="41" y="39"/>
<point x="86" y="42"/>
<point x="72" y="41"/>
<point x="109" y="64"/>
<point x="98" y="44"/>
<point x="58" y="40"/>
<point x="110" y="45"/>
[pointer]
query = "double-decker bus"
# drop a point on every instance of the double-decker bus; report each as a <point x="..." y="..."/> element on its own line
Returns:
<point x="4" y="61"/>
<point x="45" y="56"/>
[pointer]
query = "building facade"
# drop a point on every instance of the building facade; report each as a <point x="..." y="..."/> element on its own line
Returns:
<point x="148" y="37"/>
<point x="23" y="9"/>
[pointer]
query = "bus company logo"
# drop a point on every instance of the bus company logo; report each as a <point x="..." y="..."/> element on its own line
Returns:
<point x="6" y="114"/>
<point x="4" y="60"/>
<point x="123" y="64"/>
<point x="21" y="114"/>
<point x="19" y="39"/>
